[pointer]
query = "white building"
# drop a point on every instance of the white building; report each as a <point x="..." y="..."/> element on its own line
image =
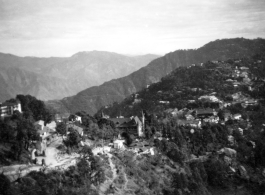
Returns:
<point x="45" y="131"/>
<point x="77" y="118"/>
<point x="211" y="98"/>
<point x="119" y="144"/>
<point x="237" y="116"/>
<point x="8" y="108"/>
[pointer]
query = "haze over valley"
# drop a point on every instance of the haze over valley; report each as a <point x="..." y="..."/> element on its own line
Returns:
<point x="56" y="78"/>
<point x="92" y="99"/>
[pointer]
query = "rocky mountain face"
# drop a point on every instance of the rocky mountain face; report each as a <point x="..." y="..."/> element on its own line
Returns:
<point x="55" y="78"/>
<point x="92" y="99"/>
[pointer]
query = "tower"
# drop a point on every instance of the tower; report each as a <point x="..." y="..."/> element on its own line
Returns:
<point x="143" y="122"/>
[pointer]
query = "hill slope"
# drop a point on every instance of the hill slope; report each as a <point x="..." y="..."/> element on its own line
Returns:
<point x="91" y="99"/>
<point x="55" y="78"/>
<point x="183" y="87"/>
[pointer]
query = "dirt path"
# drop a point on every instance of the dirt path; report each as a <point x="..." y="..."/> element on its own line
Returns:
<point x="126" y="181"/>
<point x="112" y="166"/>
<point x="106" y="185"/>
<point x="52" y="160"/>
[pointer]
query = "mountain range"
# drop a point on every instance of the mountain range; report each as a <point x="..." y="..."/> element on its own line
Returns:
<point x="55" y="77"/>
<point x="93" y="98"/>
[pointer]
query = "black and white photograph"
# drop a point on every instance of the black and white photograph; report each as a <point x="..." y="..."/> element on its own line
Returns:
<point x="132" y="97"/>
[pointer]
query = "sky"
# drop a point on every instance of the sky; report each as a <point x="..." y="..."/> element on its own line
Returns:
<point x="45" y="28"/>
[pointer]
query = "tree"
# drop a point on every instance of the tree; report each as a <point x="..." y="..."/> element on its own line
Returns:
<point x="26" y="132"/>
<point x="221" y="114"/>
<point x="216" y="171"/>
<point x="84" y="168"/>
<point x="148" y="132"/>
<point x="73" y="138"/>
<point x="61" y="128"/>
<point x="72" y="117"/>
<point x="105" y="122"/>
<point x="127" y="138"/>
<point x="32" y="106"/>
<point x="177" y="182"/>
<point x="5" y="185"/>
<point x="176" y="155"/>
<point x="4" y="132"/>
<point x="86" y="152"/>
<point x="96" y="166"/>
<point x="27" y="184"/>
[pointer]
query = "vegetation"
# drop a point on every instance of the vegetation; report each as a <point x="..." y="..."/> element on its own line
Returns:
<point x="187" y="160"/>
<point x="179" y="142"/>
<point x="93" y="98"/>
<point x="76" y="180"/>
<point x="17" y="132"/>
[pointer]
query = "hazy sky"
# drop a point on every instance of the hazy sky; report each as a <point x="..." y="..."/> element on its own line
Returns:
<point x="64" y="27"/>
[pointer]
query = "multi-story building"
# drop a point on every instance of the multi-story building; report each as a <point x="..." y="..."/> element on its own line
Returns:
<point x="132" y="125"/>
<point x="8" y="108"/>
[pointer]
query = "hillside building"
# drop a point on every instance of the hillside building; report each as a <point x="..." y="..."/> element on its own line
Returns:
<point x="8" y="108"/>
<point x="204" y="113"/>
<point x="61" y="117"/>
<point x="210" y="98"/>
<point x="237" y="116"/>
<point x="119" y="144"/>
<point x="75" y="118"/>
<point x="132" y="125"/>
<point x="43" y="130"/>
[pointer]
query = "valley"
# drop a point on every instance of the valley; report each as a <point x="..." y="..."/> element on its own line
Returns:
<point x="92" y="99"/>
<point x="132" y="97"/>
<point x="55" y="78"/>
<point x="197" y="130"/>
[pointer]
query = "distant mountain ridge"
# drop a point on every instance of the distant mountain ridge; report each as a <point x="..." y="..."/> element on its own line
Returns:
<point x="55" y="77"/>
<point x="92" y="99"/>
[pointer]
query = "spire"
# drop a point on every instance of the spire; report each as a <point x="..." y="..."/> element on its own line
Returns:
<point x="143" y="121"/>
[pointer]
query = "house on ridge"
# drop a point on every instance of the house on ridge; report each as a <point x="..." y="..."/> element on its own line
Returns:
<point x="132" y="125"/>
<point x="8" y="108"/>
<point x="203" y="113"/>
<point x="45" y="130"/>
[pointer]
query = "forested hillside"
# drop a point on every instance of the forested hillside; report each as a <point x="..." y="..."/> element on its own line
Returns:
<point x="184" y="85"/>
<point x="225" y="90"/>
<point x="218" y="153"/>
<point x="91" y="99"/>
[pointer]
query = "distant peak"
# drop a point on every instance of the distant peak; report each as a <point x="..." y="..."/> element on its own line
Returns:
<point x="93" y="52"/>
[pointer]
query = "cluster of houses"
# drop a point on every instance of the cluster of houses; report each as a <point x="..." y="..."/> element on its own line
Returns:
<point x="132" y="125"/>
<point x="244" y="100"/>
<point x="138" y="147"/>
<point x="195" y="118"/>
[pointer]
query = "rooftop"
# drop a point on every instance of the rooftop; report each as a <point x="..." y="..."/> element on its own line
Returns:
<point x="205" y="111"/>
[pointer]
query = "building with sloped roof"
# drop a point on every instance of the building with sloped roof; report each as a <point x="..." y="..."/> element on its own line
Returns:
<point x="61" y="117"/>
<point x="190" y="123"/>
<point x="119" y="144"/>
<point x="44" y="130"/>
<point x="205" y="112"/>
<point x="210" y="98"/>
<point x="132" y="125"/>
